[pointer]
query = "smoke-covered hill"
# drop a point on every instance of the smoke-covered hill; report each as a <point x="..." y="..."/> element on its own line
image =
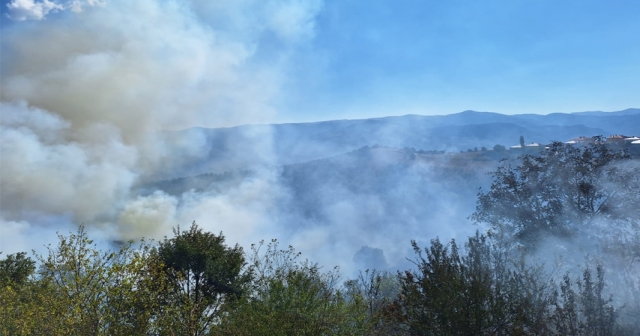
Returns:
<point x="374" y="196"/>
<point x="225" y="149"/>
<point x="323" y="187"/>
<point x="340" y="185"/>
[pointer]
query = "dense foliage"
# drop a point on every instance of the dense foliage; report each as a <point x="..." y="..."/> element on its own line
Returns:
<point x="205" y="275"/>
<point x="480" y="289"/>
<point x="562" y="191"/>
<point x="472" y="292"/>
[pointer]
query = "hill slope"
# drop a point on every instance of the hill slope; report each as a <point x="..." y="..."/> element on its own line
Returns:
<point x="254" y="145"/>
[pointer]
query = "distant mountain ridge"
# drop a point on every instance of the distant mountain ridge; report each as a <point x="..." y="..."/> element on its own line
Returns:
<point x="629" y="111"/>
<point x="245" y="146"/>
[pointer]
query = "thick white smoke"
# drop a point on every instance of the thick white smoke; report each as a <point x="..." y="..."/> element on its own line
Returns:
<point x="87" y="86"/>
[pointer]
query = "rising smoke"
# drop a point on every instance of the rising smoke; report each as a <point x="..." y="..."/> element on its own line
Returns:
<point x="89" y="89"/>
<point x="87" y="86"/>
<point x="92" y="90"/>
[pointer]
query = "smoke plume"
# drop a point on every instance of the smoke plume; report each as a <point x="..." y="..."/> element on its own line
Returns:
<point x="87" y="86"/>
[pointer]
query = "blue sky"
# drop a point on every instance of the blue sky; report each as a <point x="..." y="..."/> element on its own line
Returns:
<point x="439" y="57"/>
<point x="336" y="59"/>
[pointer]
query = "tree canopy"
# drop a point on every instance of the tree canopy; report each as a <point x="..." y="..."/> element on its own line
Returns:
<point x="206" y="275"/>
<point x="562" y="191"/>
<point x="16" y="268"/>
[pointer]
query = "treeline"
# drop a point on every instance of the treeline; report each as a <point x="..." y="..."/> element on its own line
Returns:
<point x="194" y="283"/>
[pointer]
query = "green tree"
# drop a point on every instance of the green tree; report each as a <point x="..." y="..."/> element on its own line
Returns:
<point x="522" y="142"/>
<point x="561" y="191"/>
<point x="81" y="290"/>
<point x="585" y="311"/>
<point x="15" y="289"/>
<point x="16" y="269"/>
<point x="374" y="291"/>
<point x="206" y="276"/>
<point x="292" y="297"/>
<point x="475" y="291"/>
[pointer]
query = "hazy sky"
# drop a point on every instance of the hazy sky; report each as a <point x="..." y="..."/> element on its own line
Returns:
<point x="358" y="59"/>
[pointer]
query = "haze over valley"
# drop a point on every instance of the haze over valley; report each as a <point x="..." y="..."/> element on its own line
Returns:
<point x="343" y="185"/>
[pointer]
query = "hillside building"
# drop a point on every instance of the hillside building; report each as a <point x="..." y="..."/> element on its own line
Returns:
<point x="530" y="148"/>
<point x="581" y="140"/>
<point x="616" y="139"/>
